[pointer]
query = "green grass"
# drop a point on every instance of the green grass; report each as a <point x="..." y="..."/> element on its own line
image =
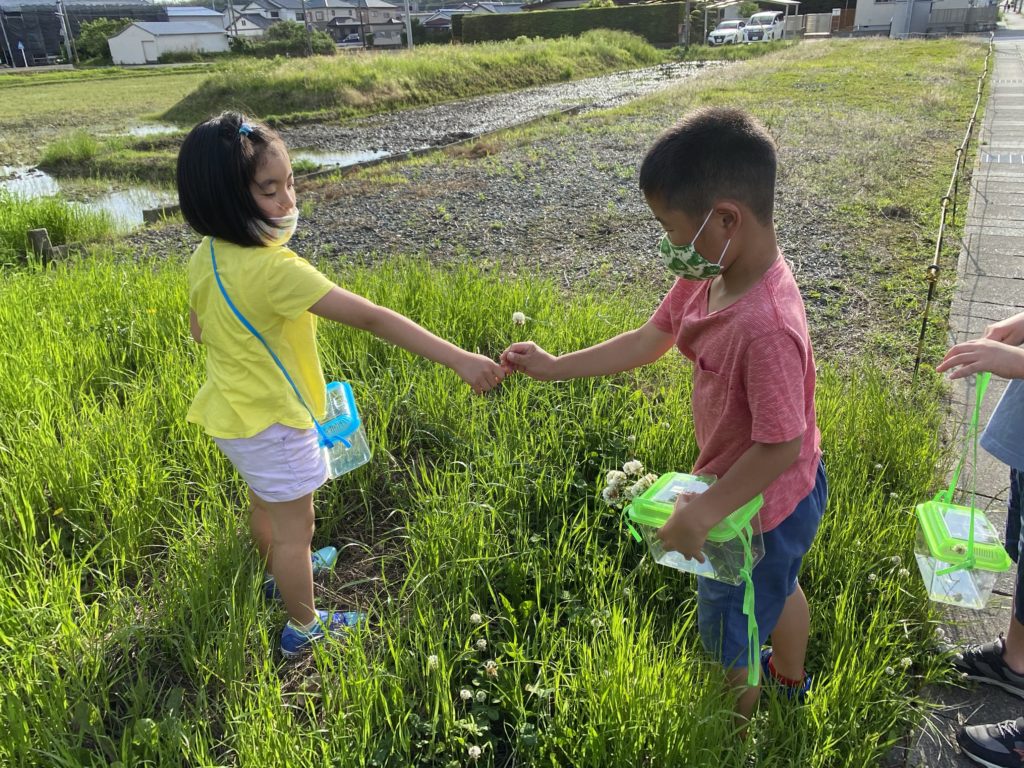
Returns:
<point x="64" y="222"/>
<point x="35" y="115"/>
<point x="729" y="52"/>
<point x="359" y="84"/>
<point x="150" y="158"/>
<point x="132" y="632"/>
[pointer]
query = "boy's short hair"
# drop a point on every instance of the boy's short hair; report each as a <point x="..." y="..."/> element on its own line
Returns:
<point x="713" y="153"/>
<point x="216" y="165"/>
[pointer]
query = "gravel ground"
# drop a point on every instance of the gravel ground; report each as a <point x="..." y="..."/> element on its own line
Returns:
<point x="561" y="203"/>
<point x="444" y="123"/>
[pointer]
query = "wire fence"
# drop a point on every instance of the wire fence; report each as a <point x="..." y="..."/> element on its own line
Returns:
<point x="947" y="214"/>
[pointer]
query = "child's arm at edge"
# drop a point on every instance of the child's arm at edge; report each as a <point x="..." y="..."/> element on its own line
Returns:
<point x="624" y="352"/>
<point x="755" y="470"/>
<point x="341" y="306"/>
<point x="193" y="326"/>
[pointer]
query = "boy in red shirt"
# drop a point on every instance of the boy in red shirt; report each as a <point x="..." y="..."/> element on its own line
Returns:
<point x="738" y="316"/>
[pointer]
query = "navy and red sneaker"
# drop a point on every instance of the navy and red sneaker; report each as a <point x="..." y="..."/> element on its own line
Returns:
<point x="985" y="664"/>
<point x="999" y="745"/>
<point x="771" y="680"/>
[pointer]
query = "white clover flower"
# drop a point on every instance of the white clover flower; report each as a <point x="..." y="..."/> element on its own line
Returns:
<point x="626" y="592"/>
<point x="890" y="671"/>
<point x="895" y="560"/>
<point x="893" y="495"/>
<point x="615" y="478"/>
<point x="633" y="467"/>
<point x="475" y="752"/>
<point x="610" y="495"/>
<point x="872" y="577"/>
<point x="481" y="697"/>
<point x="596" y="622"/>
<point x="940" y="633"/>
<point x="637" y="489"/>
<point x="491" y="668"/>
<point x="481" y="644"/>
<point x="666" y="425"/>
<point x="518" y="318"/>
<point x="631" y="438"/>
<point x="904" y="573"/>
<point x="650" y="478"/>
<point x="878" y="467"/>
<point x="906" y="661"/>
<point x="432" y="661"/>
<point x="465" y="694"/>
<point x="475" y="618"/>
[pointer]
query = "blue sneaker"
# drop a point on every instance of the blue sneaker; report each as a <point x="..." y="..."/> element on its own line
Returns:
<point x="769" y="681"/>
<point x="323" y="561"/>
<point x="295" y="642"/>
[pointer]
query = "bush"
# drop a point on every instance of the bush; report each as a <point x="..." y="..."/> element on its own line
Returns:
<point x="658" y="24"/>
<point x="286" y="38"/>
<point x="93" y="35"/>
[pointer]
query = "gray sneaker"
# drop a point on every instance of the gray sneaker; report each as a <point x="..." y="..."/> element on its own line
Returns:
<point x="985" y="664"/>
<point x="1000" y="745"/>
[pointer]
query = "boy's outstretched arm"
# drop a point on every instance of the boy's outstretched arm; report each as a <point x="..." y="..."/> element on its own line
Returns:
<point x="626" y="351"/>
<point x="998" y="351"/>
<point x="479" y="372"/>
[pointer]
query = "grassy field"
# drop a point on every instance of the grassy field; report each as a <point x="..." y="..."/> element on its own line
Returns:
<point x="36" y="113"/>
<point x="131" y="621"/>
<point x="63" y="222"/>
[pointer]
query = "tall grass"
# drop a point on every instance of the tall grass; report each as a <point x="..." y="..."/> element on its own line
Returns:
<point x="366" y="83"/>
<point x="66" y="223"/>
<point x="130" y="626"/>
<point x="78" y="153"/>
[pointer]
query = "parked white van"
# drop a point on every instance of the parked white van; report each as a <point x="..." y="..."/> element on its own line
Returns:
<point x="765" y="26"/>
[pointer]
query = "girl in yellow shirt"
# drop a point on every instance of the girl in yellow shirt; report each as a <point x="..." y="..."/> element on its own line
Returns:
<point x="236" y="189"/>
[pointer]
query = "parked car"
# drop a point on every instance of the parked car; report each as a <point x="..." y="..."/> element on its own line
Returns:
<point x="765" y="26"/>
<point x="351" y="40"/>
<point x="727" y="32"/>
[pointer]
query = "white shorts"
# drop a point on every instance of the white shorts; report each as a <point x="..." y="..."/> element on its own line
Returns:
<point x="280" y="463"/>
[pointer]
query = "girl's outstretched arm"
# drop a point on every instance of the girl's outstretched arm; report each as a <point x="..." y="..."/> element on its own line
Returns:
<point x="479" y="372"/>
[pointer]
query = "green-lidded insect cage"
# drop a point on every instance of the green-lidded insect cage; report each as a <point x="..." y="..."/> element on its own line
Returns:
<point x="958" y="550"/>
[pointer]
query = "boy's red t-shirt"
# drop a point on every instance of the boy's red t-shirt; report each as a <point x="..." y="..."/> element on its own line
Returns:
<point x="753" y="378"/>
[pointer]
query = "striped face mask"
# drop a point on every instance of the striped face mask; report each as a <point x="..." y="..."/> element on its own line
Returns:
<point x="684" y="261"/>
<point x="281" y="231"/>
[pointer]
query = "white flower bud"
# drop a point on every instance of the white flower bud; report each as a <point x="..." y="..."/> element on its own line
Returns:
<point x="518" y="318"/>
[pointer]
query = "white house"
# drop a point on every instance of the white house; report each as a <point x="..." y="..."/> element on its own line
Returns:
<point x="194" y="13"/>
<point x="248" y="25"/>
<point x="903" y="18"/>
<point x="145" y="41"/>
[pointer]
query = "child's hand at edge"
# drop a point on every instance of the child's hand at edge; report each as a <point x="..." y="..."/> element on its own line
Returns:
<point x="985" y="354"/>
<point x="527" y="357"/>
<point x="481" y="373"/>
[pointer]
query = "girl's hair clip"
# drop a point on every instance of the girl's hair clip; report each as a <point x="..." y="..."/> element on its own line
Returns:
<point x="245" y="129"/>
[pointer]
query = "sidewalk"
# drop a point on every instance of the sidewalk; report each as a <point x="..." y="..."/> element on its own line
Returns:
<point x="991" y="286"/>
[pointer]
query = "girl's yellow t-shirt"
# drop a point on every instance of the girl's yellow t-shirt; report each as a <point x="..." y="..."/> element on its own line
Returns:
<point x="245" y="392"/>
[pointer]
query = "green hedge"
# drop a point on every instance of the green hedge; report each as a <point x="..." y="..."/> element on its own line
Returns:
<point x="658" y="24"/>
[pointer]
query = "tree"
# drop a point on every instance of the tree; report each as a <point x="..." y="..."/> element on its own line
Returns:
<point x="93" y="35"/>
<point x="748" y="9"/>
<point x="290" y="36"/>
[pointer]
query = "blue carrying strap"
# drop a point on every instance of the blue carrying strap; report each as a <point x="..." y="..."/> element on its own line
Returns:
<point x="325" y="440"/>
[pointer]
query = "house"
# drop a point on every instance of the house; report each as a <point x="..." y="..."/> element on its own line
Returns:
<point x="35" y="24"/>
<point x="341" y="27"/>
<point x="194" y="13"/>
<point x="274" y="10"/>
<point x="906" y="18"/>
<point x="144" y="42"/>
<point x="441" y="19"/>
<point x="247" y="25"/>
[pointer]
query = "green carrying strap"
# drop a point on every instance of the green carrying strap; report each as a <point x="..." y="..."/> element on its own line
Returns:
<point x="753" y="635"/>
<point x="946" y="496"/>
<point x="629" y="526"/>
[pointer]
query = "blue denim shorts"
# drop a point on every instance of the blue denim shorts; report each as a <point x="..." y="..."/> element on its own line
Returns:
<point x="1013" y="544"/>
<point x="723" y="627"/>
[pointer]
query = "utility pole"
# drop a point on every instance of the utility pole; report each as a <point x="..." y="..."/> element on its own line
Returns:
<point x="408" y="26"/>
<point x="307" y="24"/>
<point x="7" y="42"/>
<point x="65" y="24"/>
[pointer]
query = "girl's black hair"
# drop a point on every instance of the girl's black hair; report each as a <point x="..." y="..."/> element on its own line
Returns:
<point x="216" y="165"/>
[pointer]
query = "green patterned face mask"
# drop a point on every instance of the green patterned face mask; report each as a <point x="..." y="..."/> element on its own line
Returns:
<point x="684" y="261"/>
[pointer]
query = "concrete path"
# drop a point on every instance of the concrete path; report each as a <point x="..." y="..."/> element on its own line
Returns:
<point x="991" y="287"/>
